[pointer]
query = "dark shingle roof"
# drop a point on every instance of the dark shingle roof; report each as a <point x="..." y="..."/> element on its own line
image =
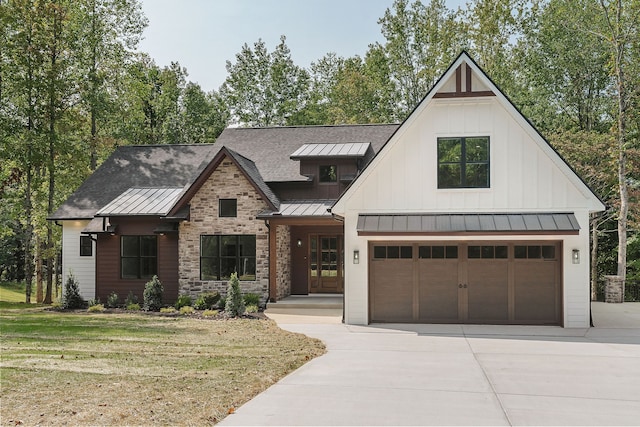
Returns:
<point x="250" y="169"/>
<point x="270" y="148"/>
<point x="136" y="166"/>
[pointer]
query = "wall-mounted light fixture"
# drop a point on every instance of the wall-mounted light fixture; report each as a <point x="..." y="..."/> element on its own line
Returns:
<point x="299" y="243"/>
<point x="356" y="257"/>
<point x="575" y="256"/>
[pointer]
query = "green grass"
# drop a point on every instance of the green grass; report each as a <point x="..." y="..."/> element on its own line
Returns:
<point x="144" y="369"/>
<point x="12" y="292"/>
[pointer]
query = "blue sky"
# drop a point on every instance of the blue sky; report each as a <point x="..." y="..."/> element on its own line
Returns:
<point x="203" y="34"/>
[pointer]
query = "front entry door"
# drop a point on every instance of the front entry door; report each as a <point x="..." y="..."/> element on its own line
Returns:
<point x="325" y="264"/>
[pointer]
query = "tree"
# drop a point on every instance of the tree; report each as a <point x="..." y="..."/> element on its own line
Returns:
<point x="421" y="41"/>
<point x="203" y="116"/>
<point x="264" y="89"/>
<point x="108" y="31"/>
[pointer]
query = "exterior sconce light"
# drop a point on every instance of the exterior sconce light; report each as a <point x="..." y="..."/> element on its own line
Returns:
<point x="356" y="257"/>
<point x="575" y="256"/>
<point x="299" y="243"/>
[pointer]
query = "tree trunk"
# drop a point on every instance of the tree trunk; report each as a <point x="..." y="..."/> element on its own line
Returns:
<point x="39" y="293"/>
<point x="594" y="258"/>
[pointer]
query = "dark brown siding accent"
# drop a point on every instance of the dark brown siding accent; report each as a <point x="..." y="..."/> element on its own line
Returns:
<point x="468" y="80"/>
<point x="347" y="168"/>
<point x="108" y="261"/>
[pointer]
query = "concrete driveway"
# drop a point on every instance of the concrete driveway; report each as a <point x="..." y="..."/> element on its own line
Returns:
<point x="460" y="375"/>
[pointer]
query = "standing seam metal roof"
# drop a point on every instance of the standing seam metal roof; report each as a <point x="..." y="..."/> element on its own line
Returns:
<point x="443" y="223"/>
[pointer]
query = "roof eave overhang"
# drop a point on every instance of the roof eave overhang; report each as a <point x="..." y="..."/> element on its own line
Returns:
<point x="471" y="233"/>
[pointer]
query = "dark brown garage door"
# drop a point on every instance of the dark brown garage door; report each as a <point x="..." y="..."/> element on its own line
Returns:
<point x="471" y="282"/>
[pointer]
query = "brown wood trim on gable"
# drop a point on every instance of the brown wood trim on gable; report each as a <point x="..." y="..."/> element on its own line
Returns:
<point x="207" y="172"/>
<point x="468" y="92"/>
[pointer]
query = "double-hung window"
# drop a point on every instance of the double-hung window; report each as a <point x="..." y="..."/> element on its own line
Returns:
<point x="463" y="162"/>
<point x="138" y="257"/>
<point x="222" y="255"/>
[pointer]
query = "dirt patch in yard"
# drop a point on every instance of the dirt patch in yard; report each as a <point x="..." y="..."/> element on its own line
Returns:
<point x="135" y="369"/>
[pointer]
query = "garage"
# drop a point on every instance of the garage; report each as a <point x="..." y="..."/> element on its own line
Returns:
<point x="482" y="282"/>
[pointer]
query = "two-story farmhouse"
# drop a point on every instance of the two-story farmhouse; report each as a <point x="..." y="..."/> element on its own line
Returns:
<point x="463" y="213"/>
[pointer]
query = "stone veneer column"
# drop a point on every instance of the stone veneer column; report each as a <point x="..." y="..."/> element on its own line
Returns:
<point x="226" y="182"/>
<point x="283" y="262"/>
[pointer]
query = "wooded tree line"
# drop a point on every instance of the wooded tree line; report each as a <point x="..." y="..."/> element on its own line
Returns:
<point x="73" y="86"/>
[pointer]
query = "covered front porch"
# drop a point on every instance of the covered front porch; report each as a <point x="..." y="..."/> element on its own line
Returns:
<point x="306" y="245"/>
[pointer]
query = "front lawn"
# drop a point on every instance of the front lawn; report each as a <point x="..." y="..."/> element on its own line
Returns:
<point x="138" y="369"/>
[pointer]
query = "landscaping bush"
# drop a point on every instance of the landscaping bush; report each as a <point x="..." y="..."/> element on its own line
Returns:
<point x="187" y="309"/>
<point x="183" y="301"/>
<point x="210" y="313"/>
<point x="94" y="301"/>
<point x="153" y="294"/>
<point x="222" y="303"/>
<point x="168" y="310"/>
<point x="251" y="299"/>
<point x="72" y="298"/>
<point x="133" y="307"/>
<point x="131" y="299"/>
<point x="96" y="308"/>
<point x="112" y="300"/>
<point x="206" y="300"/>
<point x="252" y="308"/>
<point x="234" y="305"/>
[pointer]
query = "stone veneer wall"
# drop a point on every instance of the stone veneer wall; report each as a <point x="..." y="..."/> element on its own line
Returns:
<point x="283" y="261"/>
<point x="226" y="182"/>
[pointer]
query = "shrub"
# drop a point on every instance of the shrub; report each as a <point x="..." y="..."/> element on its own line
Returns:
<point x="96" y="308"/>
<point x="167" y="310"/>
<point x="210" y="313"/>
<point x="187" y="309"/>
<point x="153" y="294"/>
<point x="251" y="299"/>
<point x="94" y="301"/>
<point x="131" y="299"/>
<point x="252" y="308"/>
<point x="234" y="304"/>
<point x="206" y="300"/>
<point x="183" y="301"/>
<point x="222" y="303"/>
<point x="112" y="300"/>
<point x="133" y="307"/>
<point x="72" y="298"/>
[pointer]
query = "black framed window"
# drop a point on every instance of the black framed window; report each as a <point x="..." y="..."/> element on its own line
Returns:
<point x="328" y="173"/>
<point x="86" y="246"/>
<point x="138" y="257"/>
<point x="222" y="255"/>
<point x="463" y="162"/>
<point x="228" y="208"/>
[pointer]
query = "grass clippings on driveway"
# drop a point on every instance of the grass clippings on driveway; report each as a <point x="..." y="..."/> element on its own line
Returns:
<point x="136" y="369"/>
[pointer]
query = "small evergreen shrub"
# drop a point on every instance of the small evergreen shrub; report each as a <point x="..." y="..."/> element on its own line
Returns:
<point x="206" y="300"/>
<point x="251" y="299"/>
<point x="94" y="301"/>
<point x="133" y="307"/>
<point x="168" y="310"/>
<point x="131" y="299"/>
<point x="153" y="294"/>
<point x="210" y="313"/>
<point x="112" y="300"/>
<point x="183" y="301"/>
<point x="96" y="308"/>
<point x="72" y="298"/>
<point x="252" y="308"/>
<point x="187" y="309"/>
<point x="234" y="304"/>
<point x="222" y="303"/>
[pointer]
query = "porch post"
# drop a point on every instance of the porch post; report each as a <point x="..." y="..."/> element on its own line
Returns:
<point x="273" y="261"/>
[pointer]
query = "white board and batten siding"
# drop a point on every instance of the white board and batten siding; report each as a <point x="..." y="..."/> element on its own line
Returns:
<point x="82" y="267"/>
<point x="526" y="176"/>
